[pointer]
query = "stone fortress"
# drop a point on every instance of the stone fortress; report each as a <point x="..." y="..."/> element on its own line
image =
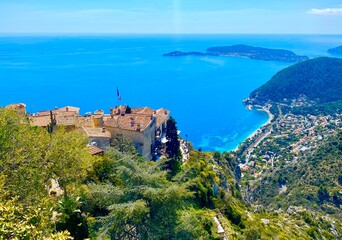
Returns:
<point x="144" y="126"/>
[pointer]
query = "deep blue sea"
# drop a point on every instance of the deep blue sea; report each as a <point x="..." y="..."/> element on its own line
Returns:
<point x="204" y="94"/>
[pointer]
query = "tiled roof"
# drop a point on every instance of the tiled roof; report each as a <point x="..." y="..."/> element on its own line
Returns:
<point x="70" y="109"/>
<point x="69" y="113"/>
<point x="40" y="121"/>
<point x="96" y="132"/>
<point x="84" y="122"/>
<point x="93" y="150"/>
<point x="161" y="115"/>
<point x="46" y="112"/>
<point x="131" y="122"/>
<point x="138" y="120"/>
<point x="145" y="110"/>
<point x="65" y="120"/>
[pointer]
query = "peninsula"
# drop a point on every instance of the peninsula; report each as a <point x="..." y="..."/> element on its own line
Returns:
<point x="287" y="161"/>
<point x="181" y="54"/>
<point x="336" y="50"/>
<point x="259" y="53"/>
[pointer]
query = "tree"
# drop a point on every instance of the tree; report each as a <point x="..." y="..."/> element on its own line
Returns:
<point x="123" y="144"/>
<point x="26" y="222"/>
<point x="50" y="128"/>
<point x="172" y="147"/>
<point x="142" y="204"/>
<point x="322" y="193"/>
<point x="29" y="158"/>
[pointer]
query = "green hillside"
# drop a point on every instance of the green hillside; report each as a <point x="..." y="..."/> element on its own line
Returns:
<point x="314" y="182"/>
<point x="336" y="50"/>
<point x="319" y="79"/>
<point x="123" y="196"/>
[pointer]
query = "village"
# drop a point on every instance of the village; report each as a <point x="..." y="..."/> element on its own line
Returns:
<point x="145" y="127"/>
<point x="286" y="139"/>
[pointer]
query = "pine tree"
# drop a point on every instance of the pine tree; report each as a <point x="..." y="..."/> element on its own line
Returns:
<point x="172" y="147"/>
<point x="142" y="203"/>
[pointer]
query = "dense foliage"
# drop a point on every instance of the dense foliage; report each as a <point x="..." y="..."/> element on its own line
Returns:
<point x="319" y="79"/>
<point x="329" y="108"/>
<point x="29" y="158"/>
<point x="336" y="50"/>
<point x="139" y="199"/>
<point x="123" y="196"/>
<point x="172" y="147"/>
<point x="313" y="182"/>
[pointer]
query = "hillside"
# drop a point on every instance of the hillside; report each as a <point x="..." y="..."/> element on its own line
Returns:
<point x="123" y="196"/>
<point x="336" y="50"/>
<point x="314" y="182"/>
<point x="259" y="53"/>
<point x="318" y="79"/>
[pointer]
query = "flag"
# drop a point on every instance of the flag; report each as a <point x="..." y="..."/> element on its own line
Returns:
<point x="118" y="93"/>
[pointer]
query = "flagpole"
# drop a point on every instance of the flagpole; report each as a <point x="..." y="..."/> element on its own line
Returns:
<point x="118" y="96"/>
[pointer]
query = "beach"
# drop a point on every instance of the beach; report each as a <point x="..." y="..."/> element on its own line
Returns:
<point x="270" y="118"/>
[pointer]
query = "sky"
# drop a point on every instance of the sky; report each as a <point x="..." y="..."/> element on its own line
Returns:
<point x="172" y="16"/>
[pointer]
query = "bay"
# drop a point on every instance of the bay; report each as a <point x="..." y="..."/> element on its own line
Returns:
<point x="204" y="93"/>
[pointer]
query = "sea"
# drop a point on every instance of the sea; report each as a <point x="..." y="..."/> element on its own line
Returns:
<point x="203" y="93"/>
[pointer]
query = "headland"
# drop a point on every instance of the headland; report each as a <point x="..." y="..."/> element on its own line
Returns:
<point x="258" y="53"/>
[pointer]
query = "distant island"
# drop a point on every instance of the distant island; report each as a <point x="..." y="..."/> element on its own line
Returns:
<point x="241" y="50"/>
<point x="336" y="50"/>
<point x="181" y="54"/>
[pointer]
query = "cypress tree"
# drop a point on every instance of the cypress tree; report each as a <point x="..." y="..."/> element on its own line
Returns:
<point x="172" y="147"/>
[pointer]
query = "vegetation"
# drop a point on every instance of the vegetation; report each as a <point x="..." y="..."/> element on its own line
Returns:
<point x="139" y="200"/>
<point x="267" y="54"/>
<point x="329" y="108"/>
<point x="241" y="50"/>
<point x="29" y="159"/>
<point x="336" y="50"/>
<point x="318" y="79"/>
<point x="123" y="196"/>
<point x="312" y="182"/>
<point x="172" y="147"/>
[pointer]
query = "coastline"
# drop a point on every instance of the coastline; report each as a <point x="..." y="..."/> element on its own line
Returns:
<point x="270" y="118"/>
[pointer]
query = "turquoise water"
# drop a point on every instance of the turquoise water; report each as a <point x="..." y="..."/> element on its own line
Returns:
<point x="203" y="93"/>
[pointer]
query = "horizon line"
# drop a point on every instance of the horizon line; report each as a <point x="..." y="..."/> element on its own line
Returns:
<point x="156" y="33"/>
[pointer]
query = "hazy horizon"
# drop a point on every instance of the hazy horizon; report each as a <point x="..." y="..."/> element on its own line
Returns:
<point x="170" y="17"/>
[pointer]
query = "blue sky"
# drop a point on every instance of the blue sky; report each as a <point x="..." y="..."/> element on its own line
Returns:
<point x="171" y="16"/>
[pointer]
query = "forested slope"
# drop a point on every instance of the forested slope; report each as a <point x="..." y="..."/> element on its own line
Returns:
<point x="319" y="79"/>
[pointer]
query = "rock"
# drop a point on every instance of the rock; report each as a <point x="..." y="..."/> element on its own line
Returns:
<point x="279" y="211"/>
<point x="55" y="189"/>
<point x="265" y="221"/>
<point x="258" y="208"/>
<point x="219" y="227"/>
<point x="293" y="210"/>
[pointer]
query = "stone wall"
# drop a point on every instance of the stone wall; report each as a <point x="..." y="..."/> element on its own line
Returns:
<point x="144" y="141"/>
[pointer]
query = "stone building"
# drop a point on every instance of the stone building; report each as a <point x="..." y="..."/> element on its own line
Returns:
<point x="144" y="126"/>
<point x="20" y="108"/>
<point x="139" y="126"/>
<point x="66" y="116"/>
<point x="99" y="137"/>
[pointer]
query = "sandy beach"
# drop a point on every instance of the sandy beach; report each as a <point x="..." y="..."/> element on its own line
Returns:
<point x="270" y="118"/>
